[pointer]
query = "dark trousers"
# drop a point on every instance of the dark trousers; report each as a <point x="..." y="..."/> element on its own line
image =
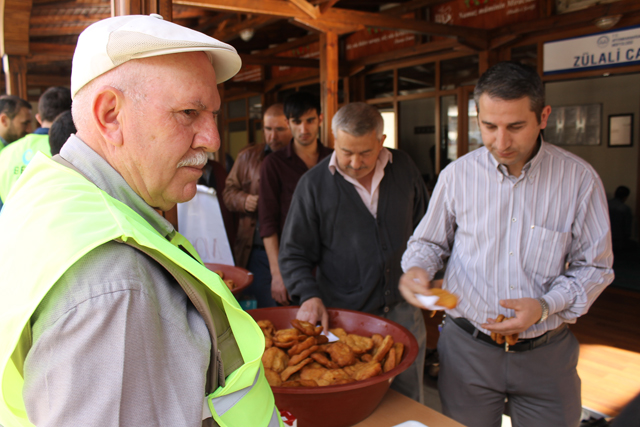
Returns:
<point x="261" y="287"/>
<point x="541" y="385"/>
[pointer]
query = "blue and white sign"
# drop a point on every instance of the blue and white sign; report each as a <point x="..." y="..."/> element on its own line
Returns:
<point x="604" y="50"/>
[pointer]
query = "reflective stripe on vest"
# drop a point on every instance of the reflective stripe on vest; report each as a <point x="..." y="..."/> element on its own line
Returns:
<point x="68" y="217"/>
<point x="221" y="405"/>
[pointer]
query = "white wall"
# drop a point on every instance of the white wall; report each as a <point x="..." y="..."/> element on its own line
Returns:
<point x="618" y="95"/>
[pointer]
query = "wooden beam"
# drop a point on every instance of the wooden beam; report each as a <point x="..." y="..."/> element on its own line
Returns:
<point x="412" y="5"/>
<point x="15" y="75"/>
<point x="14" y="24"/>
<point x="327" y="5"/>
<point x="279" y="60"/>
<point x="283" y="47"/>
<point x="323" y="27"/>
<point x="280" y="8"/>
<point x="227" y="33"/>
<point x="307" y="8"/>
<point x="328" y="83"/>
<point x="47" y="80"/>
<point x="78" y="18"/>
<point x="143" y="7"/>
<point x="420" y="49"/>
<point x="556" y="22"/>
<point x="337" y="18"/>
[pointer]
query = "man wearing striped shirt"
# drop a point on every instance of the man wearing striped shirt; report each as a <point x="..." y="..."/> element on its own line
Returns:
<point x="525" y="228"/>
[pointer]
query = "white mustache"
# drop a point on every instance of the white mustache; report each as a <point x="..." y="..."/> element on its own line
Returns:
<point x="199" y="159"/>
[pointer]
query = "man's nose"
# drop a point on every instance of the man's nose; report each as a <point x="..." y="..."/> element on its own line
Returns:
<point x="503" y="140"/>
<point x="207" y="135"/>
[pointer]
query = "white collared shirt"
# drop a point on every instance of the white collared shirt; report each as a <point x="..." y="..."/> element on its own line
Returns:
<point x="370" y="199"/>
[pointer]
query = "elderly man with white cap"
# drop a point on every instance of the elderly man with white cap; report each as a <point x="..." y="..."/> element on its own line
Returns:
<point x="107" y="315"/>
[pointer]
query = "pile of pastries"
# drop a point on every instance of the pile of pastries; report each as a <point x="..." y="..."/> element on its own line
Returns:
<point x="302" y="357"/>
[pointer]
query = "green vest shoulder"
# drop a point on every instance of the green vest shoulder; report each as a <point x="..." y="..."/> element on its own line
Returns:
<point x="16" y="156"/>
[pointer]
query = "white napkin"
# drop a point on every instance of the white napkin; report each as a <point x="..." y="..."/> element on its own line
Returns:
<point x="332" y="338"/>
<point x="410" y="424"/>
<point x="429" y="301"/>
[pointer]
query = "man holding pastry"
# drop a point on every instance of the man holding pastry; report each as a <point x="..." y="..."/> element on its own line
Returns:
<point x="524" y="225"/>
<point x="350" y="218"/>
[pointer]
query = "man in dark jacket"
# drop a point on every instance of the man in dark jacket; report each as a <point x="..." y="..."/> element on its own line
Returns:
<point x="351" y="217"/>
<point x="241" y="195"/>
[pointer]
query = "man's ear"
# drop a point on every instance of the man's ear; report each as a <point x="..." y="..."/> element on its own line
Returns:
<point x="320" y="117"/>
<point x="38" y="118"/>
<point x="106" y="109"/>
<point x="4" y="120"/>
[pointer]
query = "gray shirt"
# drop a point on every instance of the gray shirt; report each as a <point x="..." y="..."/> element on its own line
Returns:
<point x="116" y="342"/>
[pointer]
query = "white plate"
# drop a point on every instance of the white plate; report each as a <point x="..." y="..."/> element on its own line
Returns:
<point x="410" y="424"/>
<point x="429" y="301"/>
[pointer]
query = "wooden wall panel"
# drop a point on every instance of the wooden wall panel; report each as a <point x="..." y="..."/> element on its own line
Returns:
<point x="14" y="34"/>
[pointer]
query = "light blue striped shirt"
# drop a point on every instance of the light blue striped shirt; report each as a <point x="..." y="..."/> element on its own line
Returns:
<point x="544" y="233"/>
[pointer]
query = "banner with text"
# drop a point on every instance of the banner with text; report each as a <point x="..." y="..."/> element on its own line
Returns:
<point x="603" y="50"/>
<point x="485" y="14"/>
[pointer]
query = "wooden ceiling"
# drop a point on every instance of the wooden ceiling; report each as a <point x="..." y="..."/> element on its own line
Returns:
<point x="278" y="25"/>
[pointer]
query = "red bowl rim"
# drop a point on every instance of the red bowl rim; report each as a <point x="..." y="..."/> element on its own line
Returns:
<point x="407" y="360"/>
<point x="213" y="266"/>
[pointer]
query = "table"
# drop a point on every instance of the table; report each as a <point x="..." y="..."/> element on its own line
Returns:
<point x="396" y="408"/>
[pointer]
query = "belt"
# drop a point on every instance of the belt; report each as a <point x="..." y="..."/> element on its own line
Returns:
<point x="521" y="345"/>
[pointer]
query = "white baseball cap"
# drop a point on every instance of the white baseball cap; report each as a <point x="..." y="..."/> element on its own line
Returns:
<point x="104" y="45"/>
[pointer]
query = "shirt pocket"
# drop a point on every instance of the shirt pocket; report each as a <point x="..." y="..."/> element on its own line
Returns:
<point x="545" y="253"/>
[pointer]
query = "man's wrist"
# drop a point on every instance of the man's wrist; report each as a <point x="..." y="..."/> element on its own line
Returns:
<point x="545" y="310"/>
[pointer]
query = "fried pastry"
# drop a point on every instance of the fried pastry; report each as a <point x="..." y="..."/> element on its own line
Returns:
<point x="290" y="370"/>
<point x="322" y="359"/>
<point x="273" y="378"/>
<point x="306" y="327"/>
<point x="445" y="298"/>
<point x="302" y="356"/>
<point x="341" y="354"/>
<point x="275" y="359"/>
<point x="381" y="351"/>
<point x="358" y="344"/>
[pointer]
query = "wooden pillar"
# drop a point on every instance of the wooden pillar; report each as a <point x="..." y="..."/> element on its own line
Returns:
<point x="142" y="7"/>
<point x="328" y="83"/>
<point x="486" y="59"/>
<point x="15" y="75"/>
<point x="14" y="44"/>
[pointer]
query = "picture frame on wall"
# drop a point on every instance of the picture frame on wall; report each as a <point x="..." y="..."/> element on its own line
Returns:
<point x="621" y="130"/>
<point x="574" y="125"/>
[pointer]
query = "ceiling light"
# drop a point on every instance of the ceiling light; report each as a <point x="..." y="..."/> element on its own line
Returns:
<point x="247" y="34"/>
<point x="606" y="22"/>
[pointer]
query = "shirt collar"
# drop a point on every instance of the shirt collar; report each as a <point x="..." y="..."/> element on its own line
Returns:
<point x="106" y="178"/>
<point x="3" y="141"/>
<point x="41" y="131"/>
<point x="529" y="169"/>
<point x="385" y="156"/>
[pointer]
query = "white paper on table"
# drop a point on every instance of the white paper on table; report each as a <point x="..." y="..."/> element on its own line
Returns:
<point x="329" y="334"/>
<point x="200" y="221"/>
<point x="429" y="301"/>
<point x="410" y="424"/>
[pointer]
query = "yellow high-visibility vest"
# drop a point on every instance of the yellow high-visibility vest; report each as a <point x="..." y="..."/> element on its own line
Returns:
<point x="55" y="216"/>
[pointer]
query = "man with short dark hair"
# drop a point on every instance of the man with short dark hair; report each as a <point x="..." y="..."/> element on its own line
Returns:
<point x="61" y="128"/>
<point x="279" y="175"/>
<point x="351" y="217"/>
<point x="241" y="195"/>
<point x="15" y="158"/>
<point x="15" y="119"/>
<point x="621" y="218"/>
<point x="524" y="225"/>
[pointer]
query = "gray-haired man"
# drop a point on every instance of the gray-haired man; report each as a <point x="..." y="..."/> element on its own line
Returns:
<point x="351" y="217"/>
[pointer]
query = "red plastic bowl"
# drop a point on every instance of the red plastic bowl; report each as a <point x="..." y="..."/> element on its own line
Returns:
<point x="240" y="276"/>
<point x="347" y="404"/>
